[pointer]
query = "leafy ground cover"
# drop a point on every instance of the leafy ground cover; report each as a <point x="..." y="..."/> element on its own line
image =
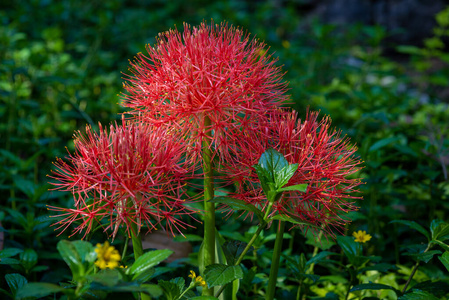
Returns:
<point x="61" y="65"/>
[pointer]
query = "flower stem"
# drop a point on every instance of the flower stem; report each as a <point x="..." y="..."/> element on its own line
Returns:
<point x="271" y="288"/>
<point x="209" y="207"/>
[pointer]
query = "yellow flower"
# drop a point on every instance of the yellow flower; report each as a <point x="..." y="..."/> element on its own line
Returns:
<point x="361" y="236"/>
<point x="199" y="281"/>
<point x="107" y="256"/>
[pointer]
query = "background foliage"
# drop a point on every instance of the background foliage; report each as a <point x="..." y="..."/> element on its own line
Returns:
<point x="60" y="68"/>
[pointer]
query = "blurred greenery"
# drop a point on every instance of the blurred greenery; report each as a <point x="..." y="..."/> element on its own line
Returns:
<point x="60" y="69"/>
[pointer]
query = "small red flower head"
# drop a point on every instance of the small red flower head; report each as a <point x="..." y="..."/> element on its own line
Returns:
<point x="325" y="162"/>
<point x="134" y="173"/>
<point x="208" y="73"/>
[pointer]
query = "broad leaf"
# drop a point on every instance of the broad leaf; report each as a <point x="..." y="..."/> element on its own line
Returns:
<point x="70" y="255"/>
<point x="9" y="252"/>
<point x="219" y="274"/>
<point x="439" y="230"/>
<point x="418" y="295"/>
<point x="38" y="289"/>
<point x="413" y="225"/>
<point x="232" y="251"/>
<point x="374" y="286"/>
<point x="15" y="281"/>
<point x="282" y="177"/>
<point x="273" y="162"/>
<point x="147" y="261"/>
<point x="445" y="259"/>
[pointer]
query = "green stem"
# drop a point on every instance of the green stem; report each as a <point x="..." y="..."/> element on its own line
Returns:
<point x="209" y="207"/>
<point x="271" y="288"/>
<point x="415" y="268"/>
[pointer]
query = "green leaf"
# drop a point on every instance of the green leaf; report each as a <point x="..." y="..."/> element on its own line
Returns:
<point x="293" y="220"/>
<point x="15" y="281"/>
<point x="106" y="277"/>
<point x="297" y="187"/>
<point x="38" y="289"/>
<point x="319" y="257"/>
<point x="445" y="259"/>
<point x="171" y="289"/>
<point x="441" y="244"/>
<point x="273" y="162"/>
<point x="238" y="204"/>
<point x="9" y="252"/>
<point x="282" y="177"/>
<point x="9" y="261"/>
<point x="188" y="237"/>
<point x="232" y="251"/>
<point x="85" y="251"/>
<point x="203" y="298"/>
<point x="382" y="267"/>
<point x="264" y="178"/>
<point x="373" y="286"/>
<point x="147" y="261"/>
<point x="437" y="288"/>
<point x="418" y="295"/>
<point x="382" y="143"/>
<point x="427" y="256"/>
<point x="219" y="274"/>
<point x="439" y="230"/>
<point x="413" y="225"/>
<point x="350" y="248"/>
<point x="28" y="259"/>
<point x="70" y="255"/>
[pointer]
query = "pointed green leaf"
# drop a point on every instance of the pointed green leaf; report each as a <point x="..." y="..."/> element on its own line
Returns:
<point x="238" y="204"/>
<point x="232" y="251"/>
<point x="438" y="288"/>
<point x="171" y="289"/>
<point x="297" y="187"/>
<point x="147" y="261"/>
<point x="264" y="178"/>
<point x="70" y="255"/>
<point x="445" y="259"/>
<point x="439" y="230"/>
<point x="374" y="286"/>
<point x="272" y="161"/>
<point x="295" y="221"/>
<point x="413" y="225"/>
<point x="28" y="259"/>
<point x="9" y="252"/>
<point x="38" y="289"/>
<point x="282" y="177"/>
<point x="15" y="281"/>
<point x="427" y="256"/>
<point x="219" y="274"/>
<point x="418" y="295"/>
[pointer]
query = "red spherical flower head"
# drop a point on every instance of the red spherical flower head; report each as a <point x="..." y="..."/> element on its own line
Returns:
<point x="134" y="173"/>
<point x="206" y="79"/>
<point x="326" y="161"/>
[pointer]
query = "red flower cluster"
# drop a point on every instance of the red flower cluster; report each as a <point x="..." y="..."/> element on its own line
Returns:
<point x="212" y="72"/>
<point x="325" y="162"/>
<point x="132" y="174"/>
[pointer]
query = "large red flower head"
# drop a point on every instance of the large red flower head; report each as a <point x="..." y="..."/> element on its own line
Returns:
<point x="134" y="173"/>
<point x="325" y="161"/>
<point x="206" y="79"/>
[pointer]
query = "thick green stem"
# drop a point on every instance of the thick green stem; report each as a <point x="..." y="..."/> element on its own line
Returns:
<point x="209" y="207"/>
<point x="271" y="288"/>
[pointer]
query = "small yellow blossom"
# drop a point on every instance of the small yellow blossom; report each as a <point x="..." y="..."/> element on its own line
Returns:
<point x="199" y="281"/>
<point x="107" y="256"/>
<point x="361" y="236"/>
